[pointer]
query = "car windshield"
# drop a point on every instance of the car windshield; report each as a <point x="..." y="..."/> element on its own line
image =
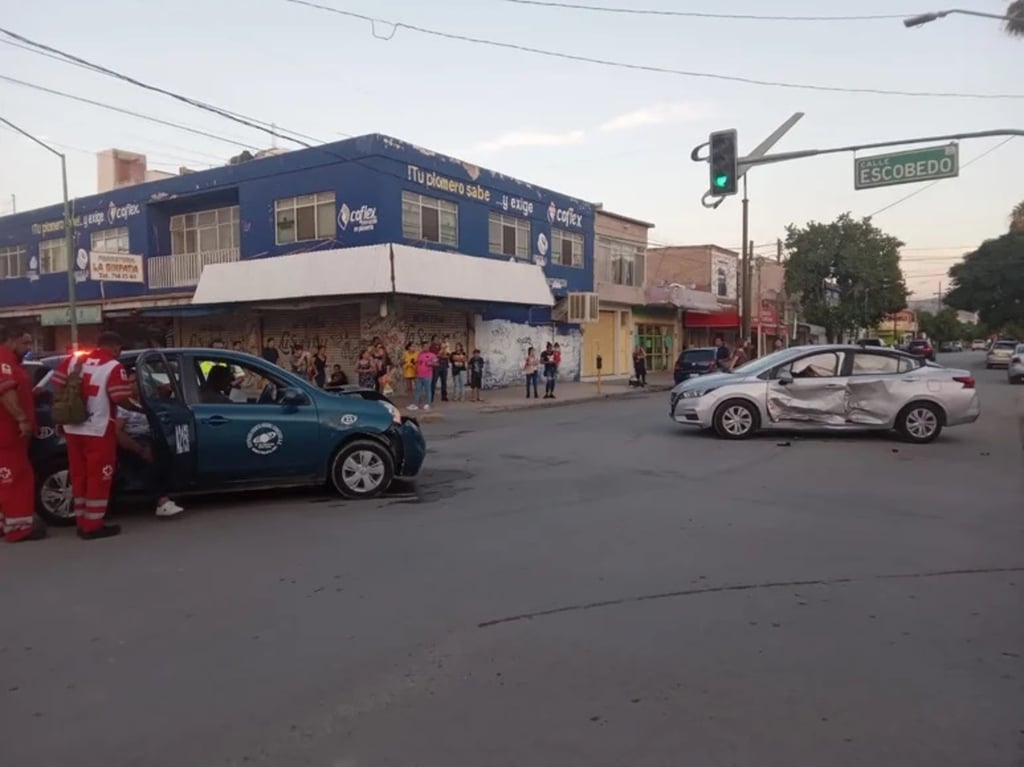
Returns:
<point x="698" y="355"/>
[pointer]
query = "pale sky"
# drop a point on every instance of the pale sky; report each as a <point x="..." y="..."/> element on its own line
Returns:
<point x="602" y="133"/>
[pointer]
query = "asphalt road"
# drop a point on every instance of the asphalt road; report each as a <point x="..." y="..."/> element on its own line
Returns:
<point x="588" y="585"/>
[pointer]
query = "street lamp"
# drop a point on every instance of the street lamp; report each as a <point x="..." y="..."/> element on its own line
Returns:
<point x="68" y="234"/>
<point x="927" y="18"/>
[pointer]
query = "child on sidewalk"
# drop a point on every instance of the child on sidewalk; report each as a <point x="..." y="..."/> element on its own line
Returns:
<point x="476" y="375"/>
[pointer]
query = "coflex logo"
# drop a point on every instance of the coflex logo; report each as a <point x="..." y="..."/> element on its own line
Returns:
<point x="122" y="213"/>
<point x="362" y="219"/>
<point x="564" y="216"/>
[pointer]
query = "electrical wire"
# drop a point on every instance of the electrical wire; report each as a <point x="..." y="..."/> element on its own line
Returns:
<point x="397" y="25"/>
<point x="700" y="15"/>
<point x="128" y="112"/>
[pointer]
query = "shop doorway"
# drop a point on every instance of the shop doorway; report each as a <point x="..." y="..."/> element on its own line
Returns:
<point x="657" y="342"/>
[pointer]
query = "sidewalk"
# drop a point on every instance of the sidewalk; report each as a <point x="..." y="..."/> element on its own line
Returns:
<point x="511" y="398"/>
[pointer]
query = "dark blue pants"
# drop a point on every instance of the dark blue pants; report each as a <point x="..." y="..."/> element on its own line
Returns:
<point x="440" y="374"/>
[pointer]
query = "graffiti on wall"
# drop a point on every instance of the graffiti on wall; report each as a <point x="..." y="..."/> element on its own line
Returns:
<point x="414" y="325"/>
<point x="245" y="332"/>
<point x="503" y="345"/>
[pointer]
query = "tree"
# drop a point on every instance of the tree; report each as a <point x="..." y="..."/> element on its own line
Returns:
<point x="941" y="327"/>
<point x="990" y="281"/>
<point x="860" y="260"/>
<point x="1017" y="218"/>
<point x="1015" y="25"/>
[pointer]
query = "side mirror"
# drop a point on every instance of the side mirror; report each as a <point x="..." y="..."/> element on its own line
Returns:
<point x="292" y="396"/>
<point x="785" y="377"/>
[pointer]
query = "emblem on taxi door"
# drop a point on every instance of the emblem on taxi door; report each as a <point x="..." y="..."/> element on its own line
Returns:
<point x="264" y="438"/>
<point x="349" y="419"/>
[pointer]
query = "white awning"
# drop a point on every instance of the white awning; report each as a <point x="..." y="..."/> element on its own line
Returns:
<point x="422" y="272"/>
<point x="339" y="272"/>
<point x="683" y="297"/>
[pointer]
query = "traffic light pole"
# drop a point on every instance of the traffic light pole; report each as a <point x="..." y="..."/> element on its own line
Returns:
<point x="745" y="267"/>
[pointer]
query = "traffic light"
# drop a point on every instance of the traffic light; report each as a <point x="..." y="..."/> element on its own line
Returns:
<point x="722" y="161"/>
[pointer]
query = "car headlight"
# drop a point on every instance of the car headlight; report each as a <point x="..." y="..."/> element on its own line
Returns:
<point x="695" y="393"/>
<point x="396" y="414"/>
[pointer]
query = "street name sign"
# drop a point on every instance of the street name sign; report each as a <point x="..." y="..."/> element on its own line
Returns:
<point x="909" y="167"/>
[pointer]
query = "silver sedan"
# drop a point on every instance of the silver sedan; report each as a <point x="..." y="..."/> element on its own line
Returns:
<point x="831" y="388"/>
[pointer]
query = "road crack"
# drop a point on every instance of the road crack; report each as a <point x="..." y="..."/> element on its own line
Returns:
<point x="742" y="587"/>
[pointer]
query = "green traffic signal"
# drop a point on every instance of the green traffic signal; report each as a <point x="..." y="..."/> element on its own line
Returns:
<point x="723" y="161"/>
<point x="721" y="181"/>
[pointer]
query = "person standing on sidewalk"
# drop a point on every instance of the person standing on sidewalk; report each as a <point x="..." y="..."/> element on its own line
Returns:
<point x="530" y="369"/>
<point x="547" y="359"/>
<point x="557" y="357"/>
<point x="722" y="355"/>
<point x="426" y="362"/>
<point x="92" y="444"/>
<point x="459" y="373"/>
<point x="640" y="366"/>
<point x="17" y="425"/>
<point x="476" y="375"/>
<point x="409" y="368"/>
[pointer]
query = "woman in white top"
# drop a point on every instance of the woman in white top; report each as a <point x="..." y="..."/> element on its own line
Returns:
<point x="135" y="438"/>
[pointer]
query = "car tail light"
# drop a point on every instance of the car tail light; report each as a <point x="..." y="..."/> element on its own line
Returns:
<point x="1015" y="361"/>
<point x="967" y="381"/>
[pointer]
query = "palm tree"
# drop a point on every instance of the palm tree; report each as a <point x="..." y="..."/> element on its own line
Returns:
<point x="1015" y="26"/>
<point x="1017" y="218"/>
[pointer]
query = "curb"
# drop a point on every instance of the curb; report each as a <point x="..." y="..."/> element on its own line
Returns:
<point x="435" y="417"/>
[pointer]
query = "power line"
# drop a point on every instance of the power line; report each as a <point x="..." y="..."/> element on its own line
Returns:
<point x="699" y="15"/>
<point x="92" y="152"/>
<point x="120" y="110"/>
<point x="928" y="186"/>
<point x="235" y="117"/>
<point x="396" y="25"/>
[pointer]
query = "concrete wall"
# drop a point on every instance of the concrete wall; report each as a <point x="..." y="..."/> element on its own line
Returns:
<point x="503" y="345"/>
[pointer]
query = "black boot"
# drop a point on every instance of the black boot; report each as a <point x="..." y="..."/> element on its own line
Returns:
<point x="107" y="531"/>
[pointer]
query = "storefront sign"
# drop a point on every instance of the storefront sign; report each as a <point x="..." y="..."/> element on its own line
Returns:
<point x="557" y="284"/>
<point x="516" y="205"/>
<point x="33" y="269"/>
<point x="564" y="216"/>
<point x="362" y="219"/>
<point x="432" y="180"/>
<point x="87" y="315"/>
<point x="116" y="267"/>
<point x="113" y="214"/>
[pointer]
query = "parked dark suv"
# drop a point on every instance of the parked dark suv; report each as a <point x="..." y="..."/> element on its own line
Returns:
<point x="693" y="362"/>
<point x="920" y="347"/>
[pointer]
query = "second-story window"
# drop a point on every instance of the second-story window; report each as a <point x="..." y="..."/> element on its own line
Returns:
<point x="622" y="262"/>
<point x="566" y="248"/>
<point x="13" y="262"/>
<point x="53" y="256"/>
<point x="110" y="240"/>
<point x="205" y="231"/>
<point x="509" y="236"/>
<point x="309" y="217"/>
<point x="430" y="219"/>
<point x="721" y="282"/>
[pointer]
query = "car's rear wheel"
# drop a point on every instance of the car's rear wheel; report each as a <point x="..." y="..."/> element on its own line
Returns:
<point x="53" y="494"/>
<point x="920" y="422"/>
<point x="735" y="419"/>
<point x="362" y="469"/>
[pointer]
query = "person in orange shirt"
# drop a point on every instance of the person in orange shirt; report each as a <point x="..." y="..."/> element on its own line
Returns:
<point x="17" y="425"/>
<point x="92" y="444"/>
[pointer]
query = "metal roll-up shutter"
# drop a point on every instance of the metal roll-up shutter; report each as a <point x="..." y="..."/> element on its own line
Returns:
<point x="238" y="327"/>
<point x="334" y="327"/>
<point x="417" y="321"/>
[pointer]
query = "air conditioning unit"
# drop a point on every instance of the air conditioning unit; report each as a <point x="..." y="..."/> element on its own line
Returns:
<point x="584" y="308"/>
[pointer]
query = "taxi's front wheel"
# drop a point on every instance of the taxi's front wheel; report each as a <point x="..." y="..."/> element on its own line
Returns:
<point x="362" y="469"/>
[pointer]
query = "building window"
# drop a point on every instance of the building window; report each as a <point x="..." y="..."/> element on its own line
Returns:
<point x="722" y="282"/>
<point x="53" y="256"/>
<point x="205" y="231"/>
<point x="12" y="262"/>
<point x="429" y="219"/>
<point x="566" y="248"/>
<point x="625" y="261"/>
<point x="509" y="236"/>
<point x="309" y="217"/>
<point x="111" y="240"/>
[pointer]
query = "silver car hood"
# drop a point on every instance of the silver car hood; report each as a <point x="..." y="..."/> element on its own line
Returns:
<point x="711" y="381"/>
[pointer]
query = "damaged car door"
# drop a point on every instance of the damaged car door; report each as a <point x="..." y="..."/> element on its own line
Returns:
<point x="878" y="386"/>
<point x="809" y="390"/>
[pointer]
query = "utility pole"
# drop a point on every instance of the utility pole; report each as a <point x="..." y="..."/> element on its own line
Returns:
<point x="745" y="267"/>
<point x="778" y="250"/>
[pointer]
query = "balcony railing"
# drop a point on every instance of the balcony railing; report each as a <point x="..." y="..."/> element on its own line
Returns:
<point x="182" y="270"/>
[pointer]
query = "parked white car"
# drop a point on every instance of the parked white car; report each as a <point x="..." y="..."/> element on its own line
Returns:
<point x="831" y="388"/>
<point x="1000" y="353"/>
<point x="1015" y="370"/>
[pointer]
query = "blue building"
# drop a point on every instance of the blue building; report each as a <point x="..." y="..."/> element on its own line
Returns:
<point x="335" y="246"/>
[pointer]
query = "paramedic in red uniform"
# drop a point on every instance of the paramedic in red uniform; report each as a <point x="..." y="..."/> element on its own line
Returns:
<point x="92" y="445"/>
<point x="17" y="425"/>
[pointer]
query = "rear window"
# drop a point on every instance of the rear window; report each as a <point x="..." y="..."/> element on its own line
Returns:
<point x="698" y="355"/>
<point x="1006" y="345"/>
<point x="918" y="343"/>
